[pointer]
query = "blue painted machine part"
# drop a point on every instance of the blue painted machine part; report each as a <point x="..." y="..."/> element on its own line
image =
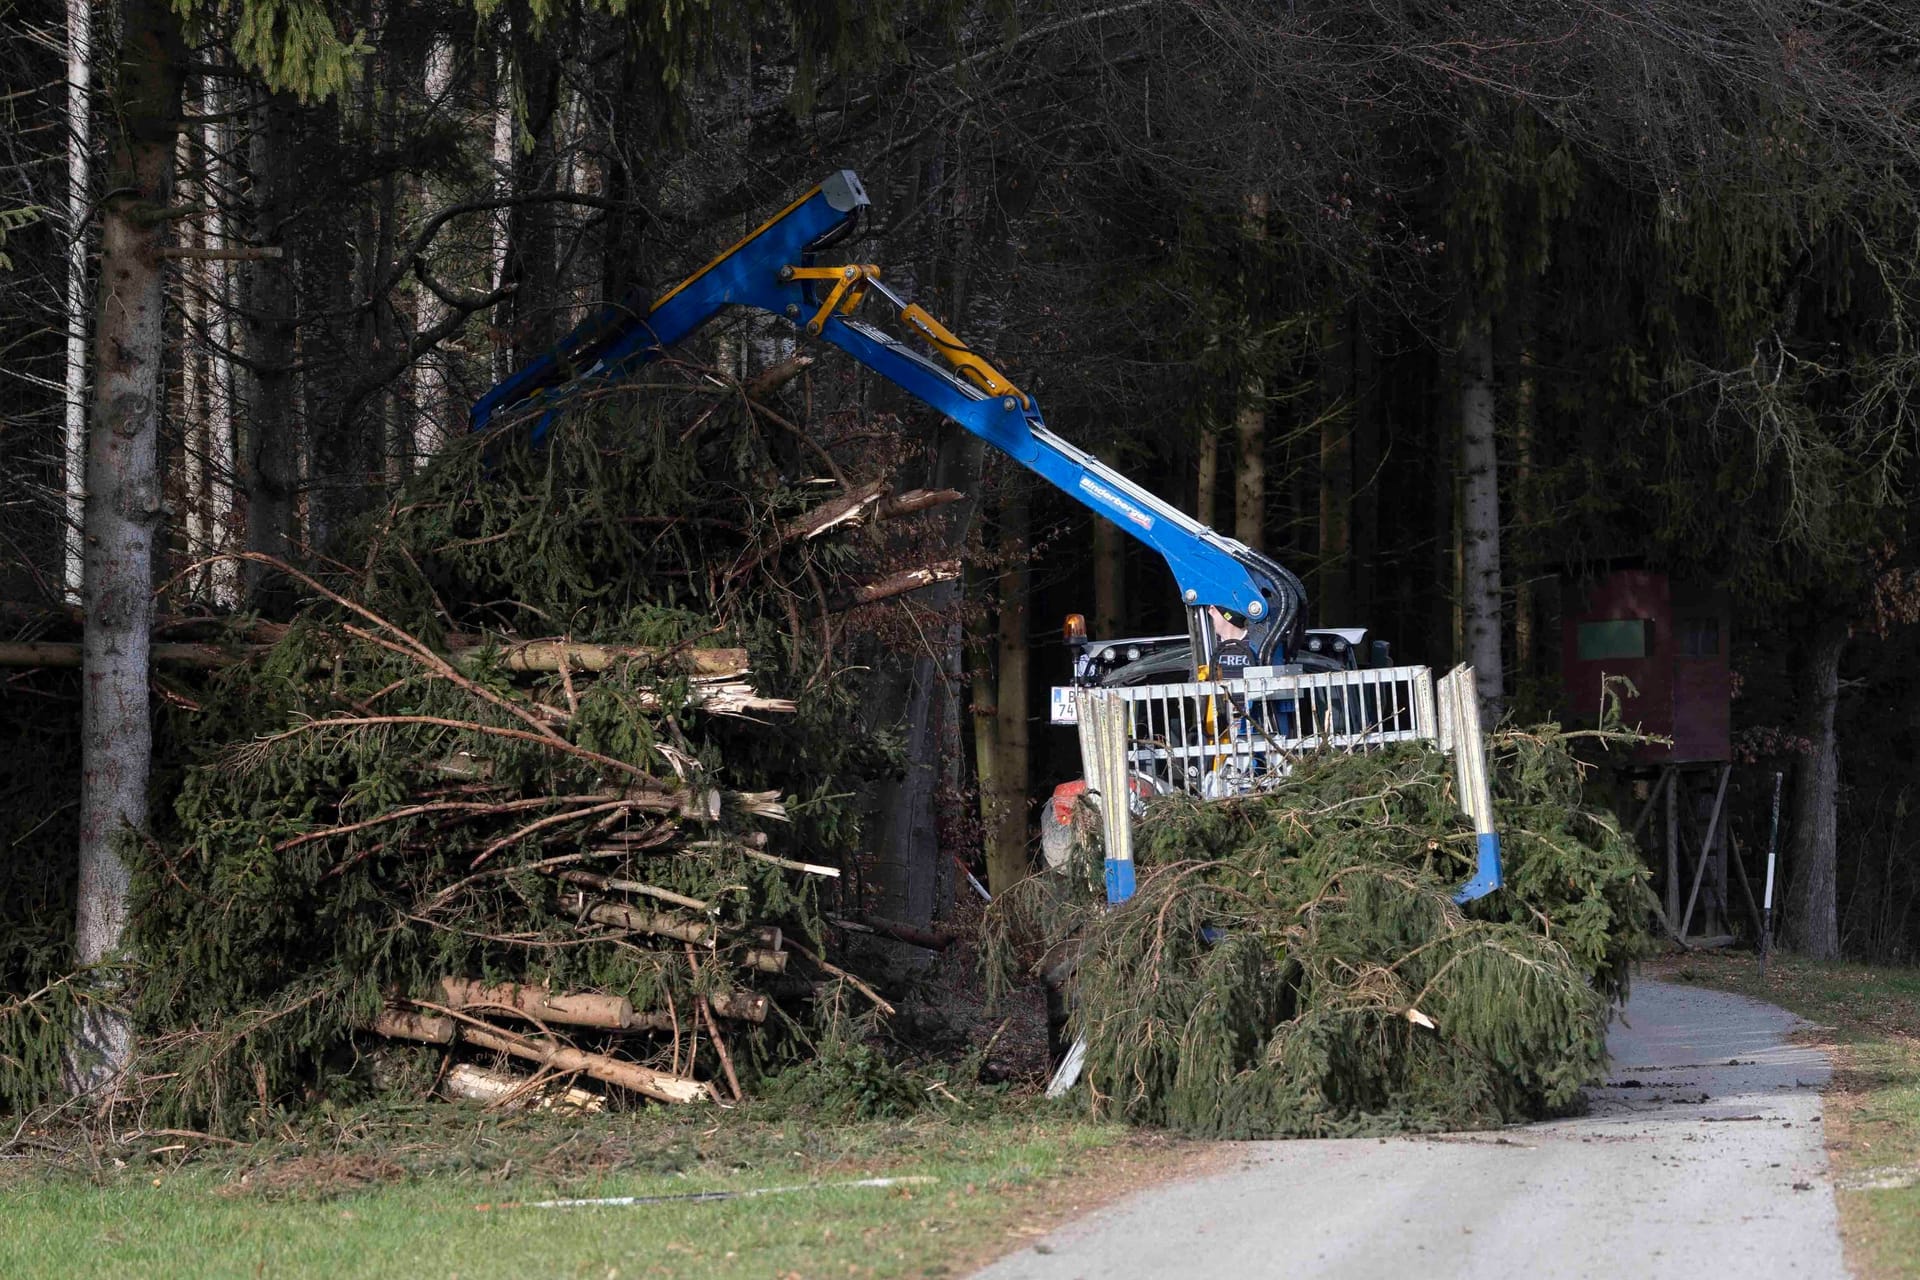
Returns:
<point x="1487" y="875"/>
<point x="1210" y="569"/>
<point x="1119" y="879"/>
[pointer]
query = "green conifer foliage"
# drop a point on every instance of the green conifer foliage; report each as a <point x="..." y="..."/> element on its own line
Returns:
<point x="1293" y="963"/>
<point x="353" y="819"/>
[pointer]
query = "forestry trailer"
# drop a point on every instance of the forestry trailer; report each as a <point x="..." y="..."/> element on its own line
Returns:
<point x="1170" y="720"/>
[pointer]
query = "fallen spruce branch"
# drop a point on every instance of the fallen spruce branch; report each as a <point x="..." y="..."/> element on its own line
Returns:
<point x="466" y="652"/>
<point x="753" y="845"/>
<point x="821" y="963"/>
<point x="931" y="939"/>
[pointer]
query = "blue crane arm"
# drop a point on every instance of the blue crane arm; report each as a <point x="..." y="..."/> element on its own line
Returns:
<point x="773" y="269"/>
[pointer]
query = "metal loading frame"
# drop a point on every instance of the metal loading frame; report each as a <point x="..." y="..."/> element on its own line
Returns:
<point x="1220" y="738"/>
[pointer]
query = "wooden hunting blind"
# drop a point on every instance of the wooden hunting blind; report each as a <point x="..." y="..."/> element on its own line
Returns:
<point x="1671" y="643"/>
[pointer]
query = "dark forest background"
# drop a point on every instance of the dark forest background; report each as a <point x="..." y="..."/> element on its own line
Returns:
<point x="1451" y="308"/>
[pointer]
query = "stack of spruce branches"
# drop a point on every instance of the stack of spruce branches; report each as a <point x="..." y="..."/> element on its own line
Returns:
<point x="552" y="769"/>
<point x="1292" y="963"/>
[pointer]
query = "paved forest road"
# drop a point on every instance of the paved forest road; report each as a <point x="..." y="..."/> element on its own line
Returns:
<point x="1702" y="1156"/>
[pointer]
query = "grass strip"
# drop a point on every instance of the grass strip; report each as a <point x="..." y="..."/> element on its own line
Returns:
<point x="401" y="1196"/>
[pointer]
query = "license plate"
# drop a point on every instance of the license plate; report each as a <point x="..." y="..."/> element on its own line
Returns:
<point x="1064" y="709"/>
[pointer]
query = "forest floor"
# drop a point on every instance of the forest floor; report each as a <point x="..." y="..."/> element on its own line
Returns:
<point x="1868" y="1018"/>
<point x="443" y="1190"/>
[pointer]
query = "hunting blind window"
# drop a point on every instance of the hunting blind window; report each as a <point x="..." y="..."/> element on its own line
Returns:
<point x="1615" y="638"/>
<point x="1700" y="637"/>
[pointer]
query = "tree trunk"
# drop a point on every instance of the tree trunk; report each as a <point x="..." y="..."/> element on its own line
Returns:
<point x="1250" y="476"/>
<point x="1007" y="814"/>
<point x="1109" y="579"/>
<point x="1812" y="914"/>
<point x="533" y="313"/>
<point x="123" y="507"/>
<point x="1336" y="472"/>
<point x="1442" y="613"/>
<point x="346" y="404"/>
<point x="190" y="421"/>
<point x="79" y="201"/>
<point x="1480" y="520"/>
<point x="984" y="708"/>
<point x="1250" y="410"/>
<point x="434" y="418"/>
<point x="271" y="440"/>
<point x="1206" y="497"/>
<point x="1527" y="519"/>
<point x="217" y="140"/>
<point x="1364" y="534"/>
<point x="638" y="112"/>
<point x="503" y="173"/>
<point x="908" y="868"/>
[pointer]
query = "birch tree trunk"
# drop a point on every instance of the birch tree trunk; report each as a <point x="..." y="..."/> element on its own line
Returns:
<point x="216" y="142"/>
<point x="502" y="189"/>
<point x="433" y="418"/>
<point x="205" y="372"/>
<point x="79" y="197"/>
<point x="1812" y="906"/>
<point x="1480" y="520"/>
<point x="123" y="507"/>
<point x="191" y="299"/>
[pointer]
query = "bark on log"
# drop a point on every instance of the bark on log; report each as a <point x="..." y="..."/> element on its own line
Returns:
<point x="765" y="961"/>
<point x="740" y="1006"/>
<point x="503" y="1088"/>
<point x="700" y="806"/>
<point x="628" y="1075"/>
<point x="617" y="916"/>
<point x="848" y="508"/>
<point x="539" y="1004"/>
<point x="899" y="584"/>
<point x="914" y="501"/>
<point x="613" y="884"/>
<point x="404" y="1024"/>
<point x="547" y="655"/>
<point x="765" y="384"/>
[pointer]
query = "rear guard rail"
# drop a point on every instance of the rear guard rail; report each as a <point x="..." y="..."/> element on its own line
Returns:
<point x="1219" y="738"/>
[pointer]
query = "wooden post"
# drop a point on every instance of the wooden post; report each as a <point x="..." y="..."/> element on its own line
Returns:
<point x="1706" y="848"/>
<point x="1673" y="847"/>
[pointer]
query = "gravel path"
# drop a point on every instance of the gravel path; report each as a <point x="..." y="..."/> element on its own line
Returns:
<point x="1703" y="1154"/>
